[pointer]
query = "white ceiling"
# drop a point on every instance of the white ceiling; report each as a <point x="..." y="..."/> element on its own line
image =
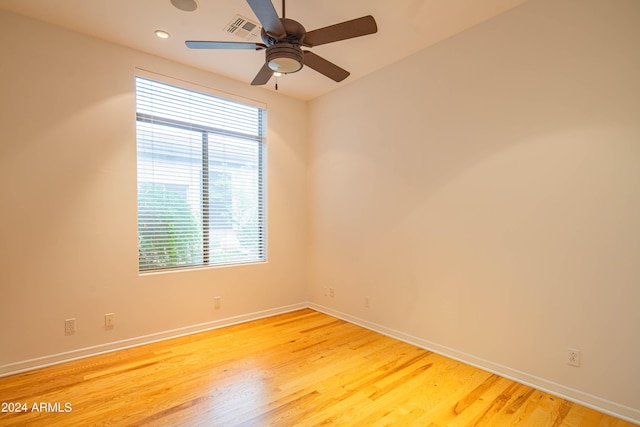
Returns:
<point x="404" y="27"/>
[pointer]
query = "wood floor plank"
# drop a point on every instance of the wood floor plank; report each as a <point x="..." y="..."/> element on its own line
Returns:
<point x="301" y="368"/>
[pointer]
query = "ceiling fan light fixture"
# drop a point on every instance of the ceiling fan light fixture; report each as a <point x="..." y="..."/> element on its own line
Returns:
<point x="285" y="58"/>
<point x="285" y="65"/>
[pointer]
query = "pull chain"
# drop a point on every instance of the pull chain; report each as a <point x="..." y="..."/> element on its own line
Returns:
<point x="277" y="74"/>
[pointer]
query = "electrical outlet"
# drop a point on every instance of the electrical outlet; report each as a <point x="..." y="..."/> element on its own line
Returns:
<point x="366" y="302"/>
<point x="573" y="357"/>
<point x="70" y="326"/>
<point x="109" y="320"/>
<point x="217" y="301"/>
<point x="326" y="292"/>
<point x="332" y="292"/>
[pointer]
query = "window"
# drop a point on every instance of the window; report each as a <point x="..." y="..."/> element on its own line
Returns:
<point x="200" y="178"/>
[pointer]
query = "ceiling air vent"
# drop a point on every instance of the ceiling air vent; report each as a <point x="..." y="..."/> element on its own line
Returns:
<point x="243" y="28"/>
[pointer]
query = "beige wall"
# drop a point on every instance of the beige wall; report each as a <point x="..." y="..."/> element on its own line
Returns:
<point x="68" y="224"/>
<point x="485" y="195"/>
<point x="482" y="193"/>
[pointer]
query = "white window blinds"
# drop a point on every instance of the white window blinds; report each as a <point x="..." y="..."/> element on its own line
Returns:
<point x="200" y="179"/>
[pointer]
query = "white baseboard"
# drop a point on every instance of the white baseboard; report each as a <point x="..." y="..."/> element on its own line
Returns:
<point x="586" y="399"/>
<point x="54" y="359"/>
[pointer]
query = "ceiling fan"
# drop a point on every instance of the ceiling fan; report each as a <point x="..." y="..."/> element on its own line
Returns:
<point x="282" y="38"/>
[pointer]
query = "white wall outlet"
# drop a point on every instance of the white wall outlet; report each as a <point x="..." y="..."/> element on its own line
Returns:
<point x="366" y="302"/>
<point x="573" y="357"/>
<point x="332" y="292"/>
<point x="217" y="302"/>
<point x="109" y="320"/>
<point x="70" y="326"/>
<point x="326" y="292"/>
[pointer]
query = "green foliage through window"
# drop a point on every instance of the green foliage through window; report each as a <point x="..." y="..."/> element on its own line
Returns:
<point x="169" y="233"/>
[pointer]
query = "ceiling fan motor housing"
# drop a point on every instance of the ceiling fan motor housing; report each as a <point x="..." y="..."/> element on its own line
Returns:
<point x="293" y="29"/>
<point x="284" y="55"/>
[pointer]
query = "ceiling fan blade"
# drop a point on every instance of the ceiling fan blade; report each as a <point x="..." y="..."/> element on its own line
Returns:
<point x="325" y="67"/>
<point x="194" y="44"/>
<point x="266" y="14"/>
<point x="263" y="76"/>
<point x="343" y="31"/>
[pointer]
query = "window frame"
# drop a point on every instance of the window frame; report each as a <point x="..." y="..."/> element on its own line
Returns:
<point x="204" y="183"/>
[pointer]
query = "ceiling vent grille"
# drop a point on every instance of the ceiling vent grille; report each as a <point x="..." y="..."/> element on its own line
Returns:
<point x="243" y="28"/>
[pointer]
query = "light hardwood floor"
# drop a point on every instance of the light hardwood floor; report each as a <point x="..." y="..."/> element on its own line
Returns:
<point x="297" y="369"/>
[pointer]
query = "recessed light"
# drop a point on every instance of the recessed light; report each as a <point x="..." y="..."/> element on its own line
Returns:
<point x="185" y="5"/>
<point x="162" y="34"/>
